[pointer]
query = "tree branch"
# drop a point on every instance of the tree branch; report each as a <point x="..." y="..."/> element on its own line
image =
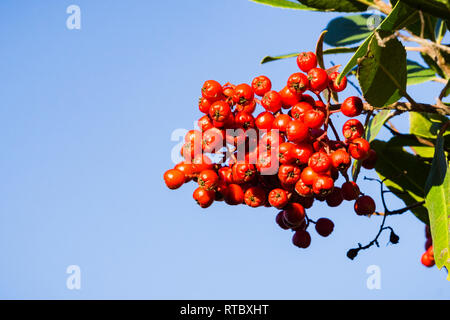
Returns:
<point x="405" y="107"/>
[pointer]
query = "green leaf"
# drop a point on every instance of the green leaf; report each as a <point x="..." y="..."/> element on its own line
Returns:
<point x="340" y="50"/>
<point x="274" y="58"/>
<point x="343" y="31"/>
<point x="382" y="72"/>
<point x="319" y="49"/>
<point x="376" y="123"/>
<point x="432" y="64"/>
<point x="426" y="125"/>
<point x="438" y="203"/>
<point x="338" y="5"/>
<point x="418" y="74"/>
<point x="436" y="8"/>
<point x="284" y="4"/>
<point x="400" y="16"/>
<point x="294" y="55"/>
<point x="406" y="174"/>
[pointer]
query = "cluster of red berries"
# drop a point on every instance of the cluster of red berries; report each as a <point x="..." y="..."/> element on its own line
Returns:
<point x="276" y="159"/>
<point x="428" y="256"/>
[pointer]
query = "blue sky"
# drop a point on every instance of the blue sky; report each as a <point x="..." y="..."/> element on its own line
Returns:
<point x="86" y="118"/>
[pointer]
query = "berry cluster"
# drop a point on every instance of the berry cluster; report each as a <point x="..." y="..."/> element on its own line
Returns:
<point x="281" y="158"/>
<point x="428" y="256"/>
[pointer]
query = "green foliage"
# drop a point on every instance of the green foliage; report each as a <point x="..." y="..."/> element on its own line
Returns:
<point x="382" y="72"/>
<point x="376" y="123"/>
<point x="438" y="8"/>
<point x="338" y="5"/>
<point x="438" y="204"/>
<point x="343" y="31"/>
<point x="418" y="74"/>
<point x="406" y="174"/>
<point x="399" y="17"/>
<point x="426" y="125"/>
<point x="294" y="55"/>
<point x="285" y="4"/>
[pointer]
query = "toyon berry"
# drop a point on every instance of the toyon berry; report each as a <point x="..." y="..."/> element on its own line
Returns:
<point x="427" y="258"/>
<point x="281" y="156"/>
<point x="353" y="129"/>
<point x="294" y="213"/>
<point x="365" y="206"/>
<point x="324" y="227"/>
<point x="352" y="107"/>
<point x="359" y="149"/>
<point x="298" y="83"/>
<point x="350" y="191"/>
<point x="280" y="221"/>
<point x="211" y="90"/>
<point x="334" y="198"/>
<point x="371" y="160"/>
<point x="336" y="85"/>
<point x="204" y="198"/>
<point x="261" y="85"/>
<point x="306" y="61"/>
<point x="272" y="101"/>
<point x="301" y="239"/>
<point x="318" y="79"/>
<point x="174" y="178"/>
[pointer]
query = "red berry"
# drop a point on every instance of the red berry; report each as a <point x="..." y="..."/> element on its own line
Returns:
<point x="298" y="110"/>
<point x="335" y="198"/>
<point x="306" y="61"/>
<point x="303" y="189"/>
<point x="174" y="178"/>
<point x="427" y="258"/>
<point x="204" y="105"/>
<point x="289" y="98"/>
<point x="323" y="185"/>
<point x="220" y="111"/>
<point x="243" y="94"/>
<point x="212" y="90"/>
<point x="234" y="194"/>
<point x="208" y="179"/>
<point x="353" y="129"/>
<point x="359" y="149"/>
<point x="324" y="227"/>
<point x="352" y="107"/>
<point x="308" y="176"/>
<point x="289" y="174"/>
<point x="298" y="83"/>
<point x="281" y="122"/>
<point x="264" y="121"/>
<point x="297" y="131"/>
<point x="261" y="85"/>
<point x="365" y="206"/>
<point x="350" y="190"/>
<point x="301" y="152"/>
<point x="204" y="197"/>
<point x="320" y="162"/>
<point x="371" y="160"/>
<point x="334" y="84"/>
<point x="255" y="197"/>
<point x="280" y="221"/>
<point x="278" y="198"/>
<point x="294" y="214"/>
<point x="318" y="79"/>
<point x="314" y="118"/>
<point x="272" y="101"/>
<point x="301" y="239"/>
<point x="340" y="160"/>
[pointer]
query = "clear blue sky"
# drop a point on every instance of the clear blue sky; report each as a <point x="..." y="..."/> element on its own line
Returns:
<point x="85" y="123"/>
